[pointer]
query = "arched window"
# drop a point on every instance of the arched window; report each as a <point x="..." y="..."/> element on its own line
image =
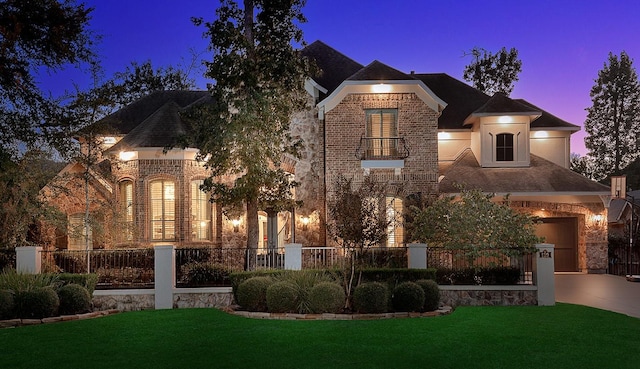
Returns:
<point x="504" y="147"/>
<point x="200" y="213"/>
<point x="162" y="197"/>
<point x="125" y="199"/>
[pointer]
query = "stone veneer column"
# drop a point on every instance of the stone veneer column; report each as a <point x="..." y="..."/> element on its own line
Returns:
<point x="165" y="276"/>
<point x="544" y="274"/>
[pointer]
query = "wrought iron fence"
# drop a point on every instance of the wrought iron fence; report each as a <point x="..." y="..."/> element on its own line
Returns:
<point x="623" y="260"/>
<point x="117" y="268"/>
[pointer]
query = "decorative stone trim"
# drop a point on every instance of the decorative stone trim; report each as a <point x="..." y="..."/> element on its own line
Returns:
<point x="63" y="318"/>
<point x="445" y="310"/>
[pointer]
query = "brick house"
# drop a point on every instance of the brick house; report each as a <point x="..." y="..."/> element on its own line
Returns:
<point x="419" y="133"/>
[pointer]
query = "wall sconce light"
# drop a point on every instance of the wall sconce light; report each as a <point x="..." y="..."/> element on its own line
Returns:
<point x="236" y="224"/>
<point x="305" y="223"/>
<point x="127" y="155"/>
<point x="597" y="219"/>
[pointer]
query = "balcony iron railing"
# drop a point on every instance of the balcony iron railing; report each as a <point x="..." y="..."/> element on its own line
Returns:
<point x="387" y="148"/>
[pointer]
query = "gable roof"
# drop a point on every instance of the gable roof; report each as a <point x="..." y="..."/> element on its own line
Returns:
<point x="542" y="177"/>
<point x="333" y="67"/>
<point x="129" y="117"/>
<point x="377" y="71"/>
<point x="548" y="120"/>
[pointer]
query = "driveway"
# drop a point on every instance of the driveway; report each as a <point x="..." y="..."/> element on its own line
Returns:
<point x="601" y="291"/>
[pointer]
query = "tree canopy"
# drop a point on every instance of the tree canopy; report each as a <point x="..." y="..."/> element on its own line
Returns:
<point x="491" y="73"/>
<point x="613" y="120"/>
<point x="476" y="224"/>
<point x="33" y="35"/>
<point x="259" y="84"/>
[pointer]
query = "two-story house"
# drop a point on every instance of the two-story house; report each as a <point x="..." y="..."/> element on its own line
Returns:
<point x="419" y="133"/>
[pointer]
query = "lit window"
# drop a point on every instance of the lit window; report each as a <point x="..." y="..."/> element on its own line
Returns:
<point x="163" y="210"/>
<point x="395" y="230"/>
<point x="504" y="147"/>
<point x="126" y="208"/>
<point x="200" y="213"/>
<point x="381" y="133"/>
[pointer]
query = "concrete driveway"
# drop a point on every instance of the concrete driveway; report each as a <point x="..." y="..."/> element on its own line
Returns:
<point x="601" y="291"/>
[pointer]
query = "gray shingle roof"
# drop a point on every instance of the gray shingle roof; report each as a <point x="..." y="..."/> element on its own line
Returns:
<point x="377" y="71"/>
<point x="499" y="103"/>
<point x="548" y="120"/>
<point x="541" y="176"/>
<point x="333" y="66"/>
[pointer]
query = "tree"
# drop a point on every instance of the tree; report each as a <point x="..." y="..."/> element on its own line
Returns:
<point x="613" y="120"/>
<point x="358" y="221"/>
<point x="476" y="225"/>
<point x="34" y="35"/>
<point x="491" y="73"/>
<point x="259" y="84"/>
<point x="583" y="165"/>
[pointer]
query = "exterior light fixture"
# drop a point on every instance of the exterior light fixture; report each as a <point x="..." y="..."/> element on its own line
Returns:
<point x="505" y="119"/>
<point x="444" y="135"/>
<point x="127" y="155"/>
<point x="305" y="223"/>
<point x="541" y="134"/>
<point x="597" y="219"/>
<point x="236" y="224"/>
<point x="381" y="88"/>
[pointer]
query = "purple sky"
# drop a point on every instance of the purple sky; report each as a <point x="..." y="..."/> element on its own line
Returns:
<point x="562" y="44"/>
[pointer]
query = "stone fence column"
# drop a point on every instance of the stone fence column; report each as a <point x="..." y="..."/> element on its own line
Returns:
<point x="165" y="276"/>
<point x="417" y="255"/>
<point x="544" y="274"/>
<point x="293" y="256"/>
<point x="28" y="259"/>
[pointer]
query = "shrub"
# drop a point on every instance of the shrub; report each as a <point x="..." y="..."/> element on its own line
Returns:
<point x="371" y="297"/>
<point x="305" y="280"/>
<point x="408" y="296"/>
<point x="431" y="294"/>
<point x="198" y="274"/>
<point x="282" y="297"/>
<point x="88" y="281"/>
<point x="326" y="297"/>
<point x="17" y="282"/>
<point x="37" y="303"/>
<point x="237" y="278"/>
<point x="6" y="304"/>
<point x="252" y="293"/>
<point x="74" y="299"/>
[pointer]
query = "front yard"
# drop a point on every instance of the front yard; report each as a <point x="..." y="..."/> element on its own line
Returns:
<point x="562" y="336"/>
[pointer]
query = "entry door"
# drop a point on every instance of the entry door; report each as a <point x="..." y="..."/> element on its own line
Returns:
<point x="563" y="233"/>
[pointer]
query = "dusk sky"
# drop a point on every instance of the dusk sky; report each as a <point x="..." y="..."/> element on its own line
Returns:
<point x="562" y="44"/>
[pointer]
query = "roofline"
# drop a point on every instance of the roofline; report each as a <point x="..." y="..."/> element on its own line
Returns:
<point x="556" y="128"/>
<point x="400" y="86"/>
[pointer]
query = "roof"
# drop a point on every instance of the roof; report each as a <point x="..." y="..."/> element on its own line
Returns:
<point x="542" y="176"/>
<point x="333" y="66"/>
<point x="548" y="120"/>
<point x="377" y="71"/>
<point x="126" y="119"/>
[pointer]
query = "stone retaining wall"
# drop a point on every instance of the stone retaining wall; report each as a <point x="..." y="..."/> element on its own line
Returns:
<point x="488" y="295"/>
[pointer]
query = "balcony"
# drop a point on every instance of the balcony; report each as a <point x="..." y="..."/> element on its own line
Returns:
<point x="387" y="148"/>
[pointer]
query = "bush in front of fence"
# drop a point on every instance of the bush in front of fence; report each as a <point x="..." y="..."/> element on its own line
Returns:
<point x="327" y="297"/>
<point x="479" y="276"/>
<point x="37" y="303"/>
<point x="371" y="298"/>
<point x="7" y="304"/>
<point x="395" y="276"/>
<point x="282" y="297"/>
<point x="88" y="281"/>
<point x="74" y="299"/>
<point x="408" y="296"/>
<point x="431" y="294"/>
<point x="252" y="293"/>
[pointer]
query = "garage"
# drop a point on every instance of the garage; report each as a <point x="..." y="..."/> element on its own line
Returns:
<point x="563" y="233"/>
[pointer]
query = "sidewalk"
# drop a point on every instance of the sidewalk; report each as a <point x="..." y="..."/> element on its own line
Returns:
<point x="603" y="291"/>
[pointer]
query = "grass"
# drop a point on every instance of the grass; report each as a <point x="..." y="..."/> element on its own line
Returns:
<point x="563" y="336"/>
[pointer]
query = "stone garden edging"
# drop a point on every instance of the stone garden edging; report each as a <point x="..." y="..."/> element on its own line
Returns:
<point x="445" y="310"/>
<point x="62" y="318"/>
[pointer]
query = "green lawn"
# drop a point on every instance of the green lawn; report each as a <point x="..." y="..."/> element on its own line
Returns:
<point x="563" y="336"/>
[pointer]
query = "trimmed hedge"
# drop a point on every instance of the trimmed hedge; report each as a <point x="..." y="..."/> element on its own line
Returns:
<point x="88" y="281"/>
<point x="431" y="294"/>
<point x="327" y="297"/>
<point x="7" y="307"/>
<point x="282" y="297"/>
<point x="479" y="276"/>
<point x="200" y="274"/>
<point x="408" y="296"/>
<point x="74" y="299"/>
<point x="396" y="276"/>
<point x="252" y="293"/>
<point x="371" y="298"/>
<point x="38" y="303"/>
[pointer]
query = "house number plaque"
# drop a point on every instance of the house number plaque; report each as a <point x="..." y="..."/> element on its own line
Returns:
<point x="545" y="254"/>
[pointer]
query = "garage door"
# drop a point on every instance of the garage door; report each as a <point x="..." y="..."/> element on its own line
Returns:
<point x="563" y="233"/>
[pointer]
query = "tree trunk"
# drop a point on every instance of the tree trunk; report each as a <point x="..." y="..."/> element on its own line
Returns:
<point x="252" y="233"/>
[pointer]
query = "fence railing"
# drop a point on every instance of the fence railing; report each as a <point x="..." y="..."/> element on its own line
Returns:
<point x="129" y="268"/>
<point x="624" y="261"/>
<point x="118" y="268"/>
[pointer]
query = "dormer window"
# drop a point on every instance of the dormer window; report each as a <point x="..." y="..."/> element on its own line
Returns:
<point x="504" y="147"/>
